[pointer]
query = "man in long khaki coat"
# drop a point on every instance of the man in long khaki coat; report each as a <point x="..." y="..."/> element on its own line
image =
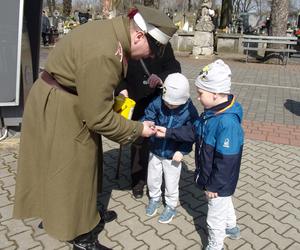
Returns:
<point x="66" y="110"/>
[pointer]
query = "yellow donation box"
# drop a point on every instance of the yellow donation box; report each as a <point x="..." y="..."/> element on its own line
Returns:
<point x="124" y="106"/>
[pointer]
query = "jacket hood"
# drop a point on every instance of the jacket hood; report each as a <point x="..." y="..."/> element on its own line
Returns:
<point x="229" y="107"/>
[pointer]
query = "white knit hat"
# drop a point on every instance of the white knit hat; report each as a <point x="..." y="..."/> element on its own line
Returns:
<point x="215" y="78"/>
<point x="176" y="89"/>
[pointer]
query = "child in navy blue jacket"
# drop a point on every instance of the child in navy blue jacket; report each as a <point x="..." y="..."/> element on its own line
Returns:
<point x="173" y="109"/>
<point x="219" y="141"/>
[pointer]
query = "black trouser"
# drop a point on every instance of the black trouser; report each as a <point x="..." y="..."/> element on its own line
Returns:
<point x="139" y="162"/>
<point x="45" y="38"/>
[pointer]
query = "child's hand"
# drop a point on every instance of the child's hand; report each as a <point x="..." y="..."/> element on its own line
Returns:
<point x="161" y="131"/>
<point x="211" y="195"/>
<point x="177" y="156"/>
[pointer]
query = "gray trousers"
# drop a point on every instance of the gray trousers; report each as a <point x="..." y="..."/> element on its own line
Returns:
<point x="156" y="168"/>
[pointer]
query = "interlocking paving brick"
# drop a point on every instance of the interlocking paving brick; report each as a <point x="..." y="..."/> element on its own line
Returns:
<point x="276" y="212"/>
<point x="113" y="228"/>
<point x="253" y="181"/>
<point x="181" y="242"/>
<point x="255" y="240"/>
<point x="287" y="197"/>
<point x="269" y="172"/>
<point x="254" y="190"/>
<point x="256" y="226"/>
<point x="294" y="246"/>
<point x="5" y="242"/>
<point x="291" y="220"/>
<point x="4" y="199"/>
<point x="293" y="234"/>
<point x="271" y="246"/>
<point x="278" y="226"/>
<point x="25" y="240"/>
<point x="230" y="244"/>
<point x="137" y="226"/>
<point x="267" y="188"/>
<point x="279" y="240"/>
<point x="126" y="240"/>
<point x="286" y="176"/>
<point x="153" y="240"/>
<point x="255" y="213"/>
<point x="49" y="242"/>
<point x="185" y="226"/>
<point x="6" y="212"/>
<point x="254" y="201"/>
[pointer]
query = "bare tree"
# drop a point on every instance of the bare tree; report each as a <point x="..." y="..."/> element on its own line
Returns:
<point x="67" y="7"/>
<point x="279" y="17"/>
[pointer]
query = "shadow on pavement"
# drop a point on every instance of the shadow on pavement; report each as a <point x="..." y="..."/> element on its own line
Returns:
<point x="292" y="106"/>
<point x="193" y="200"/>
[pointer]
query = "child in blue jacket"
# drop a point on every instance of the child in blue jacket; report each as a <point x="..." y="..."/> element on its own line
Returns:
<point x="219" y="141"/>
<point x="173" y="109"/>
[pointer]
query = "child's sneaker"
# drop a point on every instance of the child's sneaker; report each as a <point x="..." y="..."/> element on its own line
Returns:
<point x="152" y="207"/>
<point x="167" y="215"/>
<point x="233" y="233"/>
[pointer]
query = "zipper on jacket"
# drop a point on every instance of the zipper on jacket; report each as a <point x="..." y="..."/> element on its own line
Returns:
<point x="165" y="141"/>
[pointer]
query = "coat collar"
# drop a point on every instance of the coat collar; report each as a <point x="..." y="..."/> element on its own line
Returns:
<point x="121" y="27"/>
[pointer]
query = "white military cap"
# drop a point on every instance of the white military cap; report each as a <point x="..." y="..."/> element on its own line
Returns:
<point x="154" y="22"/>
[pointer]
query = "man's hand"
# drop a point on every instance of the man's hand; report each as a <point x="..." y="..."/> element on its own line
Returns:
<point x="124" y="93"/>
<point x="154" y="80"/>
<point x="160" y="131"/>
<point x="178" y="156"/>
<point x="211" y="195"/>
<point x="149" y="129"/>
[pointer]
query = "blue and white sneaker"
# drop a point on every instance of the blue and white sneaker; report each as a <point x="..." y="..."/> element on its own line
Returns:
<point x="152" y="207"/>
<point x="167" y="215"/>
<point x="233" y="233"/>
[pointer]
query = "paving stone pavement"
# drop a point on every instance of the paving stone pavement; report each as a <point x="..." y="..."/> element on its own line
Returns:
<point x="267" y="196"/>
<point x="266" y="201"/>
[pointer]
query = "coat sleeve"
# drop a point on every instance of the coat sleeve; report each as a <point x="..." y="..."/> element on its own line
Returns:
<point x="95" y="82"/>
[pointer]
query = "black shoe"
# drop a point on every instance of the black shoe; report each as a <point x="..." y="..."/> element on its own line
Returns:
<point x="138" y="192"/>
<point x="89" y="241"/>
<point x="89" y="246"/>
<point x="108" y="216"/>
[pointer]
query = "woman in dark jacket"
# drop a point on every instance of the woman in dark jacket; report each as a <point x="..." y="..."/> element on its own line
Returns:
<point x="140" y="86"/>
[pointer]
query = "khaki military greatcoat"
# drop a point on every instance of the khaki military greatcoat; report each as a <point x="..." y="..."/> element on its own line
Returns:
<point x="58" y="160"/>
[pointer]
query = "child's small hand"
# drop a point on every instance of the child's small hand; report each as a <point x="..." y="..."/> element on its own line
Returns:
<point x="211" y="195"/>
<point x="161" y="131"/>
<point x="178" y="156"/>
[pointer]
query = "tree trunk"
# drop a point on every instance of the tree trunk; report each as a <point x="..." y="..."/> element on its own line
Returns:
<point x="49" y="3"/>
<point x="149" y="3"/>
<point x="67" y="7"/>
<point x="278" y="27"/>
<point x="226" y="13"/>
<point x="279" y="17"/>
<point x="53" y="5"/>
